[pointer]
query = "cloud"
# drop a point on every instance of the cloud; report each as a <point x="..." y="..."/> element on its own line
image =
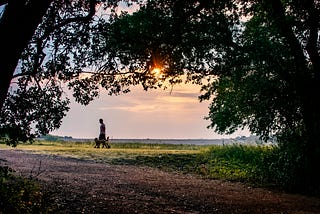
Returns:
<point x="181" y="99"/>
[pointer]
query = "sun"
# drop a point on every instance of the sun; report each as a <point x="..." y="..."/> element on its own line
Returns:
<point x="156" y="71"/>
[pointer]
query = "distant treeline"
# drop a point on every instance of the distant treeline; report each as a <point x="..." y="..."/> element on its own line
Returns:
<point x="224" y="141"/>
<point x="55" y="138"/>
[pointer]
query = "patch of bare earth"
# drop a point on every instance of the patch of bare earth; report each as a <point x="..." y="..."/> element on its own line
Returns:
<point x="80" y="186"/>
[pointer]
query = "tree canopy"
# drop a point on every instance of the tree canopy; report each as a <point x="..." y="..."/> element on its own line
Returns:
<point x="46" y="44"/>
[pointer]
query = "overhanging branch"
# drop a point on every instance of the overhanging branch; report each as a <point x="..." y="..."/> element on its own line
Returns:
<point x="65" y="22"/>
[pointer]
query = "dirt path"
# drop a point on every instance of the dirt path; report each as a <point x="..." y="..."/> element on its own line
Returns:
<point x="79" y="186"/>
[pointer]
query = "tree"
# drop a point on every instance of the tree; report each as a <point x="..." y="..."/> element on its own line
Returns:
<point x="261" y="60"/>
<point x="274" y="83"/>
<point x="31" y="103"/>
<point x="45" y="44"/>
<point x="16" y="35"/>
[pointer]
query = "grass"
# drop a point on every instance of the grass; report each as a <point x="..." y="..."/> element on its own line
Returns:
<point x="116" y="152"/>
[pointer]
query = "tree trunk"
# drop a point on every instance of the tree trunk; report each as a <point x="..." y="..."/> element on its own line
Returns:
<point x="307" y="83"/>
<point x="312" y="154"/>
<point x="311" y="116"/>
<point x="17" y="26"/>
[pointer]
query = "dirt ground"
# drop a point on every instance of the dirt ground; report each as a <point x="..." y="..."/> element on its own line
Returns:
<point x="80" y="186"/>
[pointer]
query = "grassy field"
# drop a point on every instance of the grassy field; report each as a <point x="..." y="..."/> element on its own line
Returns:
<point x="121" y="153"/>
<point x="232" y="162"/>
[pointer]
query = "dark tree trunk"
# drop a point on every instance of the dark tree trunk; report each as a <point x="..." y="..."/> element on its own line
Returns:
<point x="307" y="85"/>
<point x="312" y="154"/>
<point x="17" y="26"/>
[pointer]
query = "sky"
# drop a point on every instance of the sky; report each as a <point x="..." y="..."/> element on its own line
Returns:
<point x="156" y="114"/>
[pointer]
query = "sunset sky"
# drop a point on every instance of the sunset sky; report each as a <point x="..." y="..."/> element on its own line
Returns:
<point x="156" y="114"/>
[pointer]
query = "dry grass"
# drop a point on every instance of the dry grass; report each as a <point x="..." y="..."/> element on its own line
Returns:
<point x="117" y="151"/>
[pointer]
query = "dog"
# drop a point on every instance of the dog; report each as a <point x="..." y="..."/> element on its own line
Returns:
<point x="105" y="143"/>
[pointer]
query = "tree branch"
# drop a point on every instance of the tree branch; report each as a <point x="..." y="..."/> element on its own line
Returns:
<point x="82" y="18"/>
<point x="73" y="19"/>
<point x="84" y="72"/>
<point x="278" y="13"/>
<point x="313" y="25"/>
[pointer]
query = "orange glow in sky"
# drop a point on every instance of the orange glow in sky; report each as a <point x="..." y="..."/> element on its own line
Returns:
<point x="156" y="71"/>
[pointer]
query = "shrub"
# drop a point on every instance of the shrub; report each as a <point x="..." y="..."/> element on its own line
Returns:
<point x="19" y="195"/>
<point x="283" y="167"/>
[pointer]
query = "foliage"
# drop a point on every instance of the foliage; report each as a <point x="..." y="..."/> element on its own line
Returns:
<point x="58" y="52"/>
<point x="170" y="35"/>
<point x="258" y="94"/>
<point x="31" y="112"/>
<point x="266" y="79"/>
<point x="285" y="163"/>
<point x="20" y="195"/>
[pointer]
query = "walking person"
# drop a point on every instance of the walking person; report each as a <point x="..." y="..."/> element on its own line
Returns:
<point x="102" y="135"/>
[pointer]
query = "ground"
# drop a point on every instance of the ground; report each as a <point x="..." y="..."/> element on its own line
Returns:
<point x="82" y="186"/>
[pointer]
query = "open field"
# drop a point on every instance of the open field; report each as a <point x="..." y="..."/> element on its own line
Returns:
<point x="118" y="151"/>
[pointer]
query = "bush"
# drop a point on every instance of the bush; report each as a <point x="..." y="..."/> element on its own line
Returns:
<point x="19" y="195"/>
<point x="232" y="162"/>
<point x="235" y="162"/>
<point x="283" y="167"/>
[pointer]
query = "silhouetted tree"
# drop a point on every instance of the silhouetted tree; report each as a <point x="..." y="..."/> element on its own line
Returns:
<point x="45" y="45"/>
<point x="260" y="58"/>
